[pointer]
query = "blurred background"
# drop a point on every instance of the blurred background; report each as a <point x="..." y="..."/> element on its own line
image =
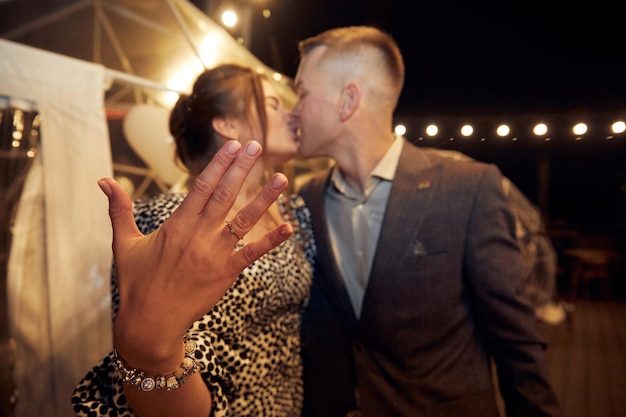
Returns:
<point x="537" y="88"/>
<point x="481" y="63"/>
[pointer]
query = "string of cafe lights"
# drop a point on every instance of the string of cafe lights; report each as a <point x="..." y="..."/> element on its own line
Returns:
<point x="485" y="129"/>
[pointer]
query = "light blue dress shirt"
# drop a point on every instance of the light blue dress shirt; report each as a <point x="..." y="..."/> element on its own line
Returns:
<point x="354" y="219"/>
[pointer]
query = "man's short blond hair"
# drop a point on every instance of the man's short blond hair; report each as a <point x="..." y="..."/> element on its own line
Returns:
<point x="362" y="50"/>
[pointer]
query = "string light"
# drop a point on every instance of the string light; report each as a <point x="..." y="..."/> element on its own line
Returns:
<point x="229" y="18"/>
<point x="467" y="130"/>
<point x="486" y="128"/>
<point x="540" y="129"/>
<point x="400" y="130"/>
<point x="580" y="129"/>
<point x="432" y="130"/>
<point x="618" y="127"/>
<point x="503" y="130"/>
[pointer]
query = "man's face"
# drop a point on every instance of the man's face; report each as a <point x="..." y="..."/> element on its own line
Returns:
<point x="316" y="111"/>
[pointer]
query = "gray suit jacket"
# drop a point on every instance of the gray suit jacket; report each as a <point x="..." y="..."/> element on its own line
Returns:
<point x="444" y="296"/>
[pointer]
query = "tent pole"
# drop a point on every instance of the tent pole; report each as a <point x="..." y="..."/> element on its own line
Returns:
<point x="185" y="30"/>
<point x="114" y="75"/>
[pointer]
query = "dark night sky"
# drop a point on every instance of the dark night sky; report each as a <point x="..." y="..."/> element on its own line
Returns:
<point x="477" y="56"/>
<point x="493" y="58"/>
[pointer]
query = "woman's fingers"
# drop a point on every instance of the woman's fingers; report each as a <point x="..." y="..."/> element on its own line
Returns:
<point x="247" y="217"/>
<point x="226" y="192"/>
<point x="214" y="191"/>
<point x="208" y="181"/>
<point x="254" y="250"/>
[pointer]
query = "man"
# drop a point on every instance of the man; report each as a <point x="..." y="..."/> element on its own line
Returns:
<point x="418" y="275"/>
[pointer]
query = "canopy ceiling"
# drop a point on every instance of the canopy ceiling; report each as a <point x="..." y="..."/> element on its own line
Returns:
<point x="148" y="45"/>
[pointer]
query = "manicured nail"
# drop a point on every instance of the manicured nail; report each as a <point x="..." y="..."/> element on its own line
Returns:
<point x="233" y="147"/>
<point x="105" y="187"/>
<point x="253" y="148"/>
<point x="285" y="230"/>
<point x="278" y="181"/>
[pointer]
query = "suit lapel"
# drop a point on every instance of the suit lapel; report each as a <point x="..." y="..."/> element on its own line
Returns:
<point x="326" y="264"/>
<point x="414" y="185"/>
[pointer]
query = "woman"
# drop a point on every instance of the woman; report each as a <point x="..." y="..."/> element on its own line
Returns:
<point x="243" y="356"/>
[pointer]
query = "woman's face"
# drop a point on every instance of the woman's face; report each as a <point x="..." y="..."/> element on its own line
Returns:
<point x="280" y="145"/>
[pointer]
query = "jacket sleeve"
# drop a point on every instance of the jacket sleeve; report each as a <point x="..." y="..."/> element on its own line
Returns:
<point x="494" y="268"/>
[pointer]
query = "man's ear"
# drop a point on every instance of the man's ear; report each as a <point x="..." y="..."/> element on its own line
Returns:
<point x="349" y="101"/>
<point x="225" y="127"/>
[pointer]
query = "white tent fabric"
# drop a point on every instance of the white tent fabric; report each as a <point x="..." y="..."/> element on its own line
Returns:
<point x="58" y="277"/>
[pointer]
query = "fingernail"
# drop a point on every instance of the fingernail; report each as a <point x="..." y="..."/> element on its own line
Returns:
<point x="105" y="187"/>
<point x="285" y="230"/>
<point x="253" y="148"/>
<point x="233" y="147"/>
<point x="278" y="182"/>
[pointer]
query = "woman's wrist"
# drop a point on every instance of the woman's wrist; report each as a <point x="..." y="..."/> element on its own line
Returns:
<point x="146" y="380"/>
<point x="148" y="349"/>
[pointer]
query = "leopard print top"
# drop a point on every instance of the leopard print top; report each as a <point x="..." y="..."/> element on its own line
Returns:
<point x="250" y="341"/>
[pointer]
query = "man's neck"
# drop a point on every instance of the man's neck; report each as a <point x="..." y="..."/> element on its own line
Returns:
<point x="357" y="166"/>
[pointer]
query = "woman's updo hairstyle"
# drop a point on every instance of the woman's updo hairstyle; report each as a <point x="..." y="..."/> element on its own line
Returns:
<point x="228" y="90"/>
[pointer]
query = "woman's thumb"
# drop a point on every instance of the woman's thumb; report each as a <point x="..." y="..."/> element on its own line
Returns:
<point x="120" y="211"/>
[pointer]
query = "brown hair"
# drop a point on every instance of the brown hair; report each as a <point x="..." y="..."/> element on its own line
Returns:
<point x="227" y="90"/>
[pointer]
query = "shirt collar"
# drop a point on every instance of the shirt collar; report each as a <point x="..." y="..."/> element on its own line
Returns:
<point x="384" y="170"/>
<point x="386" y="167"/>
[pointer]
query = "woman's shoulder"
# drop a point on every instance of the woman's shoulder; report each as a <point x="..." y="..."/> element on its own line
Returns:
<point x="294" y="209"/>
<point x="295" y="201"/>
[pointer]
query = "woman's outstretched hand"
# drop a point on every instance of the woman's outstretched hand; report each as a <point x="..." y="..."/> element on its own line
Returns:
<point x="173" y="276"/>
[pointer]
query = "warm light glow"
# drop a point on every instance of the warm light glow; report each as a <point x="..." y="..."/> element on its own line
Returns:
<point x="503" y="130"/>
<point x="432" y="130"/>
<point x="180" y="81"/>
<point x="400" y="130"/>
<point x="618" y="127"/>
<point x="229" y="18"/>
<point x="267" y="13"/>
<point x="540" y="129"/>
<point x="18" y="128"/>
<point x="524" y="129"/>
<point x="579" y="129"/>
<point x="467" y="130"/>
<point x="277" y="76"/>
<point x="170" y="98"/>
<point x="209" y="49"/>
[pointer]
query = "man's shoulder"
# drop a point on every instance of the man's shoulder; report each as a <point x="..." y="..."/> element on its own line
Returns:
<point x="455" y="160"/>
